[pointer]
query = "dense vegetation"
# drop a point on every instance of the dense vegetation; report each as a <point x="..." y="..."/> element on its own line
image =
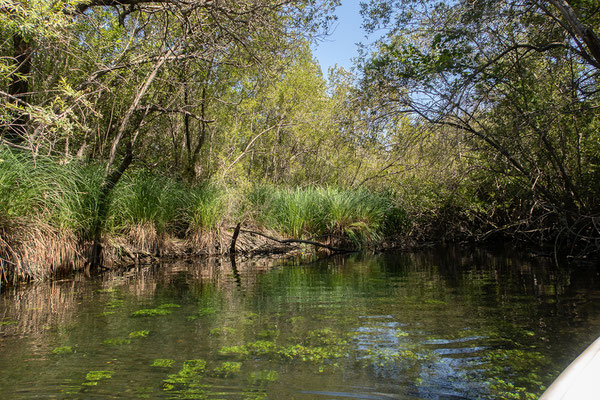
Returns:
<point x="153" y="120"/>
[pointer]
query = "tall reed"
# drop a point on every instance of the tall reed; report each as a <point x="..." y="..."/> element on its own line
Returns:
<point x="206" y="208"/>
<point x="358" y="216"/>
<point x="45" y="210"/>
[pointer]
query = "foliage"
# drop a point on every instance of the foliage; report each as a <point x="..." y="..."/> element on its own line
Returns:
<point x="516" y="89"/>
<point x="465" y="121"/>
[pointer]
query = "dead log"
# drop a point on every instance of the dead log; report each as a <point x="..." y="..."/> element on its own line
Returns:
<point x="300" y="241"/>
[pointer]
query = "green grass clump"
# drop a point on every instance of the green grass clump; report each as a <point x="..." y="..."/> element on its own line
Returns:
<point x="63" y="195"/>
<point x="206" y="207"/>
<point x="144" y="199"/>
<point x="358" y="216"/>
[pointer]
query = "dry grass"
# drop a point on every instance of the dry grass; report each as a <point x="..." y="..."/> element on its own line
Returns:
<point x="209" y="241"/>
<point x="144" y="237"/>
<point x="36" y="250"/>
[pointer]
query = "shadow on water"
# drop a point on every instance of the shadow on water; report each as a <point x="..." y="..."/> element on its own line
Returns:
<point x="441" y="324"/>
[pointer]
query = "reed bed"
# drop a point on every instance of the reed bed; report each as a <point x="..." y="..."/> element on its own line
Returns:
<point x="46" y="208"/>
<point x="357" y="217"/>
<point x="49" y="209"/>
<point x="206" y="211"/>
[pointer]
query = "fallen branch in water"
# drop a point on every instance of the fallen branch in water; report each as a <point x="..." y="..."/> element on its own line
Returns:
<point x="301" y="241"/>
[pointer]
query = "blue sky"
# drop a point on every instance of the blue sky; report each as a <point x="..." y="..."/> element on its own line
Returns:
<point x="340" y="47"/>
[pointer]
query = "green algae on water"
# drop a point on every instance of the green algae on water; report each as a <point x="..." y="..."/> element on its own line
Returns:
<point x="267" y="334"/>
<point x="169" y="305"/>
<point x="106" y="313"/>
<point x="188" y="375"/>
<point x="115" y="303"/>
<point x="163" y="363"/>
<point x="202" y="313"/>
<point x="222" y="331"/>
<point x="151" y="312"/>
<point x="139" y="334"/>
<point x="227" y="369"/>
<point x="116" y="342"/>
<point x="263" y="377"/>
<point x="93" y="377"/>
<point x="62" y="350"/>
<point x="258" y="348"/>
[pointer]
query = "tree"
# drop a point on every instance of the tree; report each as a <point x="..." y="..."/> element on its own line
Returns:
<point x="25" y="27"/>
<point x="119" y="55"/>
<point x="518" y="78"/>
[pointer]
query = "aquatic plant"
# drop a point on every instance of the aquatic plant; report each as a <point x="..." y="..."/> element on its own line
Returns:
<point x="267" y="334"/>
<point x="202" y="312"/>
<point x="328" y="354"/>
<point x="325" y="337"/>
<point x="116" y="342"/>
<point x="255" y="396"/>
<point x="227" y="369"/>
<point x="62" y="350"/>
<point x="169" y="305"/>
<point x="114" y="303"/>
<point x="139" y="334"/>
<point x="258" y="348"/>
<point x="262" y="377"/>
<point x="163" y="362"/>
<point x="93" y="377"/>
<point x="106" y="313"/>
<point x="222" y="331"/>
<point x="151" y="312"/>
<point x="520" y="370"/>
<point x="187" y="375"/>
<point x="317" y="355"/>
<point x="400" y="333"/>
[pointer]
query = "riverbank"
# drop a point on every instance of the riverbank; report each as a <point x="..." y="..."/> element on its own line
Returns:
<point x="49" y="211"/>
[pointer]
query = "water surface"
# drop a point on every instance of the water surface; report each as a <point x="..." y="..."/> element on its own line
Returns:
<point x="442" y="324"/>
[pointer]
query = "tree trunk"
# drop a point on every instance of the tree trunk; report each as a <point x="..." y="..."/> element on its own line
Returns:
<point x="112" y="176"/>
<point x="18" y="89"/>
<point x="580" y="31"/>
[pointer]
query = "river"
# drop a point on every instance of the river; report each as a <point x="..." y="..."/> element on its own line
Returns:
<point x="438" y="324"/>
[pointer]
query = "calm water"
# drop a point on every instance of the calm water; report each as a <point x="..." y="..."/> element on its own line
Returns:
<point x="445" y="324"/>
